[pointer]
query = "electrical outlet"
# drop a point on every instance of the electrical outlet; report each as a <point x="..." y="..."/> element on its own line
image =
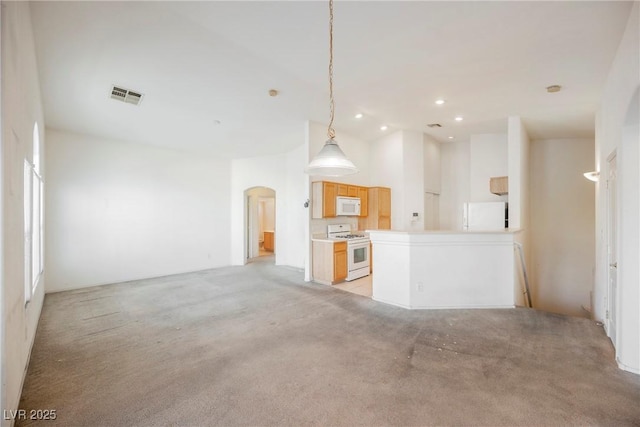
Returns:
<point x="420" y="287"/>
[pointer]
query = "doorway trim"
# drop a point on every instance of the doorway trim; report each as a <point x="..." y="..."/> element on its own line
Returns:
<point x="613" y="251"/>
<point x="250" y="214"/>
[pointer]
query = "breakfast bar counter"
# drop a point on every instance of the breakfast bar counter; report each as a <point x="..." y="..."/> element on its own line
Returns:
<point x="446" y="269"/>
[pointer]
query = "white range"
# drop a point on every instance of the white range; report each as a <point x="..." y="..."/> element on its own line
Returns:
<point x="358" y="249"/>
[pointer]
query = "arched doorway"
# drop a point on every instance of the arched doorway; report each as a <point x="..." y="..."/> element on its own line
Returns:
<point x="260" y="222"/>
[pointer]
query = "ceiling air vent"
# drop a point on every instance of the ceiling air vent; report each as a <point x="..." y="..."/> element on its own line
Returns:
<point x="435" y="125"/>
<point x="126" y="95"/>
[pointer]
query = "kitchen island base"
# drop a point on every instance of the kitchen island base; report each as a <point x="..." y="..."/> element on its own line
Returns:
<point x="446" y="270"/>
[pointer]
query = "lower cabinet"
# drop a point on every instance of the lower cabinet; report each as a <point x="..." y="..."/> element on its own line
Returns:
<point x="268" y="241"/>
<point x="339" y="261"/>
<point x="330" y="264"/>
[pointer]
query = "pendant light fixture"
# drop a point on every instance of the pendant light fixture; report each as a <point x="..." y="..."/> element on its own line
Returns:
<point x="331" y="161"/>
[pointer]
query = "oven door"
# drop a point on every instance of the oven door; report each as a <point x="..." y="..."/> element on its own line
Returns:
<point x="358" y="255"/>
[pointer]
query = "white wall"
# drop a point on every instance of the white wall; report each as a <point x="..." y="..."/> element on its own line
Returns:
<point x="386" y="163"/>
<point x="562" y="238"/>
<point x="615" y="132"/>
<point x="466" y="167"/>
<point x="397" y="161"/>
<point x="413" y="177"/>
<point x="487" y="159"/>
<point x="518" y="168"/>
<point x="268" y="213"/>
<point x="432" y="168"/>
<point x="21" y="108"/>
<point x="432" y="177"/>
<point x="284" y="174"/>
<point x="120" y="211"/>
<point x="518" y="158"/>
<point x="454" y="183"/>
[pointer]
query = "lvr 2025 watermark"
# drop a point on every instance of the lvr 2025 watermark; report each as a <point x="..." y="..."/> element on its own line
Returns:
<point x="31" y="414"/>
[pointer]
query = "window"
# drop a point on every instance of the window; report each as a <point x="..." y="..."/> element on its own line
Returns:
<point x="33" y="220"/>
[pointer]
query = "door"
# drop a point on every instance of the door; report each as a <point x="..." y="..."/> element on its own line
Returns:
<point x="358" y="255"/>
<point x="612" y="247"/>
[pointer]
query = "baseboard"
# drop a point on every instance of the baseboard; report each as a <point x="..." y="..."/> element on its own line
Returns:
<point x="429" y="307"/>
<point x="391" y="303"/>
<point x="627" y="368"/>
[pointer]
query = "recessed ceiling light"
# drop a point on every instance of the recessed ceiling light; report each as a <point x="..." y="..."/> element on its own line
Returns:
<point x="450" y="137"/>
<point x="273" y="92"/>
<point x="459" y="119"/>
<point x="383" y="127"/>
<point x="554" y="88"/>
<point x="440" y="101"/>
<point x="359" y="116"/>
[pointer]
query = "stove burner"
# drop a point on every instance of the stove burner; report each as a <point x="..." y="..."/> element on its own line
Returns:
<point x="350" y="236"/>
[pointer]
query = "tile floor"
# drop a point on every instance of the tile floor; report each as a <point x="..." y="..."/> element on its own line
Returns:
<point x="360" y="286"/>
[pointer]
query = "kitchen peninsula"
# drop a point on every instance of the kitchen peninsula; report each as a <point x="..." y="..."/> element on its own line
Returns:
<point x="446" y="269"/>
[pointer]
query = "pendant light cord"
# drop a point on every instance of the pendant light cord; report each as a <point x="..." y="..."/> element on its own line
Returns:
<point x="331" y="133"/>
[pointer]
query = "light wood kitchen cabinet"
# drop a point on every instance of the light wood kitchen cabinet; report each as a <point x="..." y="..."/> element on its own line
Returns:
<point x="339" y="261"/>
<point x="329" y="262"/>
<point x="499" y="185"/>
<point x="348" y="190"/>
<point x="363" y="194"/>
<point x="324" y="195"/>
<point x="268" y="241"/>
<point x="379" y="210"/>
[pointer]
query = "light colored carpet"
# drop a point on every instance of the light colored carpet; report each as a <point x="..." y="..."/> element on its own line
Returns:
<point x="255" y="345"/>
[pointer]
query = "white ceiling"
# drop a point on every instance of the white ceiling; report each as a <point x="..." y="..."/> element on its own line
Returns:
<point x="200" y="62"/>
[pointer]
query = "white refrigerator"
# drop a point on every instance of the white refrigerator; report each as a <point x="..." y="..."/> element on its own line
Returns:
<point x="488" y="216"/>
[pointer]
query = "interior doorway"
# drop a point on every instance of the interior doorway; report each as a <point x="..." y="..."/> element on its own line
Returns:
<point x="260" y="224"/>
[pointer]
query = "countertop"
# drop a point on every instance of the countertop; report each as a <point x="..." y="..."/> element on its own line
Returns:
<point x="427" y="232"/>
<point x="321" y="237"/>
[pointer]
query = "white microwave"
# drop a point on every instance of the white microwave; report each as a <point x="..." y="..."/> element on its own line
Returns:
<point x="347" y="206"/>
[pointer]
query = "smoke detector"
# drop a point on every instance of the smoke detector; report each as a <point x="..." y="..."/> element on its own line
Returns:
<point x="126" y="95"/>
<point x="554" y="88"/>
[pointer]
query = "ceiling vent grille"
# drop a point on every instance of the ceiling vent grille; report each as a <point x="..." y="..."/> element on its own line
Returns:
<point x="126" y="95"/>
<point x="434" y="125"/>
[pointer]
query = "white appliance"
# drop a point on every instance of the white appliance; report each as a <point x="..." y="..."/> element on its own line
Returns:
<point x="488" y="216"/>
<point x="347" y="206"/>
<point x="358" y="249"/>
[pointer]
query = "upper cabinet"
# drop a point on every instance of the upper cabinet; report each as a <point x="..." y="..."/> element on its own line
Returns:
<point x="324" y="195"/>
<point x="324" y="199"/>
<point x="363" y="194"/>
<point x="379" y="210"/>
<point x="499" y="185"/>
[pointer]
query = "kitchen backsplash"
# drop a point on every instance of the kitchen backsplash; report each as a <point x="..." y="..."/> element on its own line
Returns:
<point x="319" y="226"/>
